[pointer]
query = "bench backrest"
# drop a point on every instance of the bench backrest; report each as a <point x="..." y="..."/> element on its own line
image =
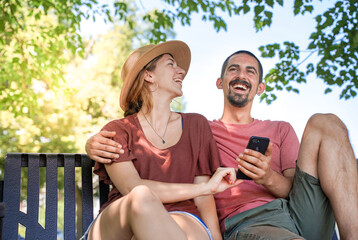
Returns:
<point x="14" y="162"/>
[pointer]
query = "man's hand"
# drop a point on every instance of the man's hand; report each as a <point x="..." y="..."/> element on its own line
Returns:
<point x="101" y="148"/>
<point x="256" y="165"/>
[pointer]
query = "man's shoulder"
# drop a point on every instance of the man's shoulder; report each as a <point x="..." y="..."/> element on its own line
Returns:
<point x="274" y="123"/>
<point x="214" y="122"/>
<point x="276" y="126"/>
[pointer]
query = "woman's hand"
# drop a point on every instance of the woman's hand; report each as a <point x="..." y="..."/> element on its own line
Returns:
<point x="223" y="179"/>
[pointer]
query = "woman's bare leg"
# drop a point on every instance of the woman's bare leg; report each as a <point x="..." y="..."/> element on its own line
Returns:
<point x="193" y="229"/>
<point x="140" y="213"/>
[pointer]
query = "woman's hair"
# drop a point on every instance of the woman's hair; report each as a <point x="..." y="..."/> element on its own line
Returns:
<point x="140" y="94"/>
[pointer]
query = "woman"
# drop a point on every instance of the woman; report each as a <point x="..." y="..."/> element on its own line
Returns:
<point x="161" y="183"/>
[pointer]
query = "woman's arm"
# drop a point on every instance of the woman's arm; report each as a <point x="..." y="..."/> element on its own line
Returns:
<point x="125" y="177"/>
<point x="207" y="208"/>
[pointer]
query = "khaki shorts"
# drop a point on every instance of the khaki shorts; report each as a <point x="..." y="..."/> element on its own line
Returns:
<point x="306" y="213"/>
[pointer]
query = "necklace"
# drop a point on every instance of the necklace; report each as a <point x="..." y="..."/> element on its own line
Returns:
<point x="161" y="137"/>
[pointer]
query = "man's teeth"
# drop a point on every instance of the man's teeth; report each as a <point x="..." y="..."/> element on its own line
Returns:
<point x="178" y="80"/>
<point x="240" y="86"/>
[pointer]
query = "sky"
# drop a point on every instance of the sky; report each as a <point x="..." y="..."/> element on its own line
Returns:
<point x="209" y="49"/>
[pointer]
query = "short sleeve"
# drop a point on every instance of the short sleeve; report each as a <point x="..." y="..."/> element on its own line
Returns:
<point x="209" y="158"/>
<point x="289" y="146"/>
<point x="122" y="129"/>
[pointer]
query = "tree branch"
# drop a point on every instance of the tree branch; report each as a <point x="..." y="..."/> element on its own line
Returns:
<point x="312" y="52"/>
<point x="14" y="17"/>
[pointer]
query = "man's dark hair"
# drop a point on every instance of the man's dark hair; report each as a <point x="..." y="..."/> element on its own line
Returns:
<point x="240" y="52"/>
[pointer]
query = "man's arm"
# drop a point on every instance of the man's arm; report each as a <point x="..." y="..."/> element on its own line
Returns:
<point x="258" y="167"/>
<point x="101" y="148"/>
<point x="279" y="185"/>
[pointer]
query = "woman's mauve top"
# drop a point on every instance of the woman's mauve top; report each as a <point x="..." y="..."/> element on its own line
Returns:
<point x="195" y="154"/>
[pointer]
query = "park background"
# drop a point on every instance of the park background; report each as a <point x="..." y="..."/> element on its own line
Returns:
<point x="60" y="81"/>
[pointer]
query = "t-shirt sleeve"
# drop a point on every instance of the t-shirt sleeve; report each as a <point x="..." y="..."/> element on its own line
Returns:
<point x="209" y="158"/>
<point x="122" y="137"/>
<point x="289" y="146"/>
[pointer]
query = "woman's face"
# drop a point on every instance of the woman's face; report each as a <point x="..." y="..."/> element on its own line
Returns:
<point x="169" y="76"/>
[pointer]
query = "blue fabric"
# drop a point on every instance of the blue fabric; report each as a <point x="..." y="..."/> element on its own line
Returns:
<point x="85" y="235"/>
<point x="197" y="219"/>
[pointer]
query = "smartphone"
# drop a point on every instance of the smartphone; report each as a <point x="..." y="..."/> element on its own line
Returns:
<point x="258" y="144"/>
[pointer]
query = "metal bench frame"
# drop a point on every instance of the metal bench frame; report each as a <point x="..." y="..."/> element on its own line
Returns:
<point x="14" y="162"/>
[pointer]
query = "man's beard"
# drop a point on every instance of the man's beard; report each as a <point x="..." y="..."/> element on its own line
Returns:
<point x="236" y="99"/>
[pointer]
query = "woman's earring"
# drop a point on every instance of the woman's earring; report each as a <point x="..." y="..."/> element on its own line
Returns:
<point x="155" y="88"/>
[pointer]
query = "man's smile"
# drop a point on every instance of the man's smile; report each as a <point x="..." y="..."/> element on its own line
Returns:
<point x="240" y="86"/>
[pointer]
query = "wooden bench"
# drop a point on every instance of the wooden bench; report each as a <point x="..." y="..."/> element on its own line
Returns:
<point x="15" y="162"/>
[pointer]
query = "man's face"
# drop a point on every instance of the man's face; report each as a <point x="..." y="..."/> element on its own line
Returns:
<point x="241" y="80"/>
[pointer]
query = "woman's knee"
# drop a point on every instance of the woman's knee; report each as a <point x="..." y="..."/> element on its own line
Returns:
<point x="142" y="199"/>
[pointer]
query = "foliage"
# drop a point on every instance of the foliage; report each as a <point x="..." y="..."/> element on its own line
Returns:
<point x="37" y="40"/>
<point x="39" y="49"/>
<point x="55" y="88"/>
<point x="69" y="110"/>
<point x="335" y="42"/>
<point x="34" y="39"/>
<point x="178" y="104"/>
<point x="39" y="112"/>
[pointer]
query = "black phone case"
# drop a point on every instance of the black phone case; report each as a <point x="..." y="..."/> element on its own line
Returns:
<point x="258" y="144"/>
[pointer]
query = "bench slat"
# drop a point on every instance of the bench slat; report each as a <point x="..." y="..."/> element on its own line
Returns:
<point x="12" y="177"/>
<point x="33" y="186"/>
<point x="51" y="196"/>
<point x="69" y="200"/>
<point x="87" y="200"/>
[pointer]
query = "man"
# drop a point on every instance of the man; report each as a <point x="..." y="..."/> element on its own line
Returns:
<point x="284" y="200"/>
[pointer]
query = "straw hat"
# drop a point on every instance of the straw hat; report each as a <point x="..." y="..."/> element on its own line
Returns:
<point x="142" y="56"/>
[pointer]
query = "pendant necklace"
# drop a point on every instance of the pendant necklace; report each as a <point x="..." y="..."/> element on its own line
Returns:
<point x="161" y="137"/>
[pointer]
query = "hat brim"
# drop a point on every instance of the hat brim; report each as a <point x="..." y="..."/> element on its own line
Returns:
<point x="178" y="49"/>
